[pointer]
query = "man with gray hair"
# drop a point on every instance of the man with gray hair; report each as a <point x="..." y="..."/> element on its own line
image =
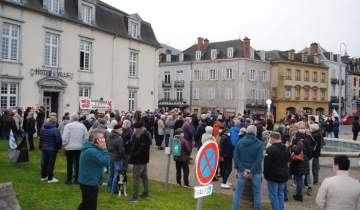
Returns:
<point x="249" y="153"/>
<point x="74" y="137"/>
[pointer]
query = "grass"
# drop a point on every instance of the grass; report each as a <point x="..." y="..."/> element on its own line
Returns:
<point x="35" y="195"/>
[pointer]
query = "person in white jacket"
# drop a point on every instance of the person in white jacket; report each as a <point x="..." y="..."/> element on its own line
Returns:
<point x="339" y="192"/>
<point x="207" y="136"/>
<point x="74" y="137"/>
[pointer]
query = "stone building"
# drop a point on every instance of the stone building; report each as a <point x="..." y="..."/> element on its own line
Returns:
<point x="299" y="83"/>
<point x="352" y="84"/>
<point x="53" y="52"/>
<point x="228" y="76"/>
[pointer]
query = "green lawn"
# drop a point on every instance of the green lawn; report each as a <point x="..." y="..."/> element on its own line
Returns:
<point x="35" y="195"/>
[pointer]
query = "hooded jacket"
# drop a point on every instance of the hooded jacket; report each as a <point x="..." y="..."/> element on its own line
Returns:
<point x="234" y="135"/>
<point x="50" y="137"/>
<point x="116" y="146"/>
<point x="92" y="163"/>
<point x="207" y="136"/>
<point x="74" y="136"/>
<point x="249" y="153"/>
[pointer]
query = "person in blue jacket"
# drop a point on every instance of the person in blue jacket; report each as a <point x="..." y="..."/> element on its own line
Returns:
<point x="50" y="143"/>
<point x="94" y="157"/>
<point x="234" y="132"/>
<point x="248" y="155"/>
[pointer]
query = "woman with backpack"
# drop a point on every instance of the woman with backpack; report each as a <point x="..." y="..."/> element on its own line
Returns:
<point x="182" y="161"/>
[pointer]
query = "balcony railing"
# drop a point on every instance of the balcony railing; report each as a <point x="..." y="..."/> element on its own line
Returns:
<point x="256" y="102"/>
<point x="334" y="99"/>
<point x="166" y="84"/>
<point x="172" y="102"/>
<point x="334" y="81"/>
<point x="179" y="83"/>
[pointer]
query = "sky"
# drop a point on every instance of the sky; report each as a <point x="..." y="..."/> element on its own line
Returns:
<point x="270" y="24"/>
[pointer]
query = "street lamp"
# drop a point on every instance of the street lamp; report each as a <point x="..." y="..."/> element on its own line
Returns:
<point x="268" y="103"/>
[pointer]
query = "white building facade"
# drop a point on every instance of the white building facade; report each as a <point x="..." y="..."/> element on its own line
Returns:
<point x="175" y="80"/>
<point x="54" y="52"/>
<point x="228" y="77"/>
<point x="336" y="81"/>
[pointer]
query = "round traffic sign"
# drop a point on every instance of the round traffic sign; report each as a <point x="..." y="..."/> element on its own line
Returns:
<point x="206" y="162"/>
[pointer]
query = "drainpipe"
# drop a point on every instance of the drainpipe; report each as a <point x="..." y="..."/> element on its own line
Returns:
<point x="112" y="69"/>
<point x="191" y="95"/>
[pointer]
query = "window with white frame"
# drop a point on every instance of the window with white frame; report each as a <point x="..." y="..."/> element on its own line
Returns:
<point x="134" y="29"/>
<point x="180" y="75"/>
<point x="52" y="43"/>
<point x="198" y="55"/>
<point x="85" y="55"/>
<point x="212" y="74"/>
<point x="167" y="76"/>
<point x="196" y="93"/>
<point x="211" y="93"/>
<point x="87" y="13"/>
<point x="262" y="94"/>
<point x="179" y="94"/>
<point x="228" y="74"/>
<point x="253" y="93"/>
<point x="230" y="52"/>
<point x="85" y="92"/>
<point x="213" y="54"/>
<point x="133" y="64"/>
<point x="168" y="58"/>
<point x="263" y="75"/>
<point x="9" y="95"/>
<point x="228" y="94"/>
<point x="166" y="94"/>
<point x="196" y="75"/>
<point x="53" y="6"/>
<point x="10" y="42"/>
<point x="252" y="75"/>
<point x="132" y="100"/>
<point x="181" y="57"/>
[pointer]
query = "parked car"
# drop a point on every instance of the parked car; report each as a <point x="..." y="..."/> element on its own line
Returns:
<point x="347" y="120"/>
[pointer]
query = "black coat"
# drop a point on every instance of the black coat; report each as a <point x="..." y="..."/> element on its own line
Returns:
<point x="319" y="141"/>
<point x="9" y="124"/>
<point x="126" y="136"/>
<point x="355" y="126"/>
<point x="115" y="146"/>
<point x="29" y="125"/>
<point x="302" y="167"/>
<point x="140" y="150"/>
<point x="276" y="160"/>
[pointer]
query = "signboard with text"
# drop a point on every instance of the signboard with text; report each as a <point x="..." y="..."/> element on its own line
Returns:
<point x="89" y="104"/>
<point x="203" y="191"/>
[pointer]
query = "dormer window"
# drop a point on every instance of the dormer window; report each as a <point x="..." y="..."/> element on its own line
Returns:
<point x="316" y="59"/>
<point x="198" y="55"/>
<point x="213" y="54"/>
<point x="87" y="13"/>
<point x="181" y="57"/>
<point x="53" y="6"/>
<point x="134" y="29"/>
<point x="304" y="58"/>
<point x="230" y="52"/>
<point x="291" y="55"/>
<point x="168" y="58"/>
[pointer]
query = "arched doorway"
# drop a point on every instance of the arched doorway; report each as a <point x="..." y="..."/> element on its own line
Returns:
<point x="319" y="111"/>
<point x="308" y="110"/>
<point x="290" y="110"/>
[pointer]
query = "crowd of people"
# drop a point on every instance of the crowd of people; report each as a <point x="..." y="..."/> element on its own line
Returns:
<point x="287" y="152"/>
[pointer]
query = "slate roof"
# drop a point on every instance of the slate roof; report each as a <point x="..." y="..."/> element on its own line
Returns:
<point x="108" y="19"/>
<point x="352" y="65"/>
<point x="278" y="55"/>
<point x="221" y="47"/>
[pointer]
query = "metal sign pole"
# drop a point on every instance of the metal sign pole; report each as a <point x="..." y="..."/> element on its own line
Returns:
<point x="169" y="157"/>
<point x="199" y="204"/>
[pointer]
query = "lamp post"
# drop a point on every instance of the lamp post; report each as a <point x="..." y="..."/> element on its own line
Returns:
<point x="342" y="51"/>
<point x="268" y="103"/>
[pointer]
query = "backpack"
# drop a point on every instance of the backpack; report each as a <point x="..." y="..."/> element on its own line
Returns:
<point x="176" y="147"/>
<point x="297" y="151"/>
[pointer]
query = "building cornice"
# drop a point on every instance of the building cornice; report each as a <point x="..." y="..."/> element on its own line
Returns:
<point x="299" y="64"/>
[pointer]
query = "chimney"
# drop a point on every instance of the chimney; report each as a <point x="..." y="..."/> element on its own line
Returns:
<point x="206" y="43"/>
<point x="314" y="48"/>
<point x="200" y="43"/>
<point x="246" y="47"/>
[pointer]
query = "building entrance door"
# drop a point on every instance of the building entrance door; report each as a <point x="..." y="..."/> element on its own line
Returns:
<point x="51" y="102"/>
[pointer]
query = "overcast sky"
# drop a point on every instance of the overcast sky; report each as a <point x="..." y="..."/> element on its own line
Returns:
<point x="270" y="24"/>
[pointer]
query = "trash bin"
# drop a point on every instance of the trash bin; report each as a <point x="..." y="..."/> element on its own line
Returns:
<point x="8" y="199"/>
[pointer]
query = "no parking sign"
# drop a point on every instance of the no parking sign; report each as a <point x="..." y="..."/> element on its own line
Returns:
<point x="206" y="162"/>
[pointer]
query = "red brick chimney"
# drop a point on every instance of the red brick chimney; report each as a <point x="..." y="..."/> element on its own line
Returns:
<point x="314" y="48"/>
<point x="206" y="43"/>
<point x="200" y="43"/>
<point x="246" y="47"/>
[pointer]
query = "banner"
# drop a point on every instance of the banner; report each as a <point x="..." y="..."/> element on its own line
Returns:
<point x="89" y="104"/>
